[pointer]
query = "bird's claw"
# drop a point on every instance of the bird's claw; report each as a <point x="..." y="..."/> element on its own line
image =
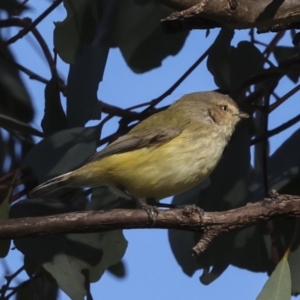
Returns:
<point x="151" y="210"/>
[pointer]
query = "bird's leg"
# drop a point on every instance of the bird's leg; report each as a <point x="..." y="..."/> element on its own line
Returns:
<point x="151" y="210"/>
<point x="188" y="209"/>
<point x="154" y="202"/>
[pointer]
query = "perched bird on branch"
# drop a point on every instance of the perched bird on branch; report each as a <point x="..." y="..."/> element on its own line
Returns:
<point x="164" y="155"/>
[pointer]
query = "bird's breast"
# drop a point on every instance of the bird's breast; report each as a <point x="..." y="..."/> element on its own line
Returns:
<point x="162" y="170"/>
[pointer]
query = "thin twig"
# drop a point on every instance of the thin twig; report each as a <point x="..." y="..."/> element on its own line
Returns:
<point x="20" y="7"/>
<point x="10" y="174"/>
<point x="151" y="104"/>
<point x="117" y="111"/>
<point x="276" y="130"/>
<point x="28" y="72"/>
<point x="47" y="53"/>
<point x="33" y="24"/>
<point x="265" y="144"/>
<point x="23" y="285"/>
<point x="272" y="45"/>
<point x="9" y="279"/>
<point x="284" y="98"/>
<point x="154" y="102"/>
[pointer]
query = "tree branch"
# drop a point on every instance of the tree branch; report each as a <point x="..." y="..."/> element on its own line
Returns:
<point x="33" y="24"/>
<point x="211" y="224"/>
<point x="264" y="15"/>
<point x="276" y="130"/>
<point x="25" y="23"/>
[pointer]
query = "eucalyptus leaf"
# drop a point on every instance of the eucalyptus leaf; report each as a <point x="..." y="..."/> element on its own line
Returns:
<point x="11" y="123"/>
<point x="4" y="214"/>
<point x="68" y="275"/>
<point x="246" y="60"/>
<point x="54" y="118"/>
<point x="62" y="152"/>
<point x="87" y="70"/>
<point x="278" y="286"/>
<point x="83" y="81"/>
<point x="282" y="54"/>
<point x="78" y="29"/>
<point x="118" y="270"/>
<point x="294" y="263"/>
<point x="11" y="5"/>
<point x="39" y="288"/>
<point x="66" y="257"/>
<point x="139" y="35"/>
<point x="229" y="65"/>
<point x="285" y="162"/>
<point x="15" y="100"/>
<point x="177" y="238"/>
<point x="218" y="61"/>
<point x="4" y="205"/>
<point x="284" y="166"/>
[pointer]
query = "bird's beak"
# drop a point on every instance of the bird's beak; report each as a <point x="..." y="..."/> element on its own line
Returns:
<point x="243" y="115"/>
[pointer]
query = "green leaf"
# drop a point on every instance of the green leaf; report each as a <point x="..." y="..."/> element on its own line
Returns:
<point x="78" y="29"/>
<point x="278" y="286"/>
<point x="282" y="54"/>
<point x="246" y="59"/>
<point x="12" y="5"/>
<point x="105" y="248"/>
<point x="87" y="71"/>
<point x="283" y="167"/>
<point x="292" y="187"/>
<point x="4" y="214"/>
<point x="54" y="118"/>
<point x="140" y="37"/>
<point x="83" y="81"/>
<point x="177" y="238"/>
<point x="62" y="152"/>
<point x="67" y="273"/>
<point x="30" y="266"/>
<point x="66" y="257"/>
<point x="15" y="100"/>
<point x="218" y="61"/>
<point x="4" y="247"/>
<point x="229" y="65"/>
<point x="284" y="163"/>
<point x="294" y="263"/>
<point x="39" y="288"/>
<point x="118" y="270"/>
<point x="11" y="123"/>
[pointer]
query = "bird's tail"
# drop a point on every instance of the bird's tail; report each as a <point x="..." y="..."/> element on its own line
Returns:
<point x="52" y="185"/>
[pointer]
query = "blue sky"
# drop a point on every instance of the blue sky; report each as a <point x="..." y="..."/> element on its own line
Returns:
<point x="152" y="272"/>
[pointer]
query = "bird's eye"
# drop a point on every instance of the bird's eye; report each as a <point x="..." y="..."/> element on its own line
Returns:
<point x="224" y="108"/>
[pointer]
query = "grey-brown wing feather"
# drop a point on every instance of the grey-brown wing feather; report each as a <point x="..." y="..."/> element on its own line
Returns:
<point x="137" y="140"/>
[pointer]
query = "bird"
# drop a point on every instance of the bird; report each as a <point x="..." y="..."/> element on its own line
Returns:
<point x="164" y="155"/>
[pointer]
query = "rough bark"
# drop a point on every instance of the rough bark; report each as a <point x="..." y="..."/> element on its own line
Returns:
<point x="211" y="224"/>
<point x="265" y="15"/>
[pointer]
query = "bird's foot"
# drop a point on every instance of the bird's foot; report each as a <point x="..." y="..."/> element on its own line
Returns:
<point x="151" y="210"/>
<point x="148" y="205"/>
<point x="189" y="209"/>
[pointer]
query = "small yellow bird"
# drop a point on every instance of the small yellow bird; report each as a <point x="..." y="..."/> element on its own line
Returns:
<point x="164" y="155"/>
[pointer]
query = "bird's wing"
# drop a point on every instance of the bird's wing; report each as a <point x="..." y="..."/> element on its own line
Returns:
<point x="137" y="140"/>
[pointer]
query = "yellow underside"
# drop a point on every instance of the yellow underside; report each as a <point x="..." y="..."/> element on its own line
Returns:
<point x="156" y="171"/>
